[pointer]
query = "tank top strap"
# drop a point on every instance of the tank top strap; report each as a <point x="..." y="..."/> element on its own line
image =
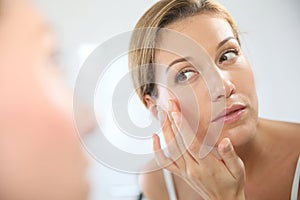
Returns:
<point x="170" y="184"/>
<point x="295" y="186"/>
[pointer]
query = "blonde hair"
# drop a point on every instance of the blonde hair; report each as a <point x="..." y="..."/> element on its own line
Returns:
<point x="144" y="37"/>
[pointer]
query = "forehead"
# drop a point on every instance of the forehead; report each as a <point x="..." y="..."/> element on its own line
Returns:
<point x="202" y="31"/>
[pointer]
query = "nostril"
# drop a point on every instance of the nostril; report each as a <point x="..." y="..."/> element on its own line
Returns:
<point x="232" y="91"/>
<point x="218" y="94"/>
<point x="229" y="89"/>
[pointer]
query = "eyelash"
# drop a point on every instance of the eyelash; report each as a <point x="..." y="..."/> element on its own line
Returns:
<point x="235" y="51"/>
<point x="182" y="72"/>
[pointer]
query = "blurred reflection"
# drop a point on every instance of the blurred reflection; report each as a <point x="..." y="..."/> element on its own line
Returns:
<point x="40" y="154"/>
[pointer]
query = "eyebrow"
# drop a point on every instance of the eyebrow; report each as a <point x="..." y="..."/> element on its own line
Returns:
<point x="185" y="59"/>
<point x="224" y="41"/>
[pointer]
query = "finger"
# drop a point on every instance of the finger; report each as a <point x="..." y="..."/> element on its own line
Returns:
<point x="169" y="136"/>
<point x="188" y="158"/>
<point x="191" y="142"/>
<point x="233" y="163"/>
<point x="183" y="134"/>
<point x="179" y="139"/>
<point x="176" y="124"/>
<point x="175" y="120"/>
<point x="192" y="158"/>
<point x="164" y="122"/>
<point x="161" y="158"/>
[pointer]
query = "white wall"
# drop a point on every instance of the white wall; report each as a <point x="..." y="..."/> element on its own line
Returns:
<point x="271" y="30"/>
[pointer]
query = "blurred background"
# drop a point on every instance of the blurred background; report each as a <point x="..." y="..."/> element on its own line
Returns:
<point x="270" y="35"/>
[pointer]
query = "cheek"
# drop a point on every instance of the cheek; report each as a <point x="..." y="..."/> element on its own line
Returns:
<point x="245" y="81"/>
<point x="244" y="78"/>
<point x="194" y="103"/>
<point x="245" y="85"/>
<point x="202" y="118"/>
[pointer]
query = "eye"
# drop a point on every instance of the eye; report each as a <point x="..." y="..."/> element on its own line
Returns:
<point x="185" y="75"/>
<point x="229" y="55"/>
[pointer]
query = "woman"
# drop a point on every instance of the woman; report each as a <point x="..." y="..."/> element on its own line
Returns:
<point x="40" y="153"/>
<point x="256" y="157"/>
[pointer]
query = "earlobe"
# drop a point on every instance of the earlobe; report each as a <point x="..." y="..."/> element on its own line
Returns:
<point x="151" y="104"/>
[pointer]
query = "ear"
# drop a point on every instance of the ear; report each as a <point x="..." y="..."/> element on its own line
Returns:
<point x="151" y="104"/>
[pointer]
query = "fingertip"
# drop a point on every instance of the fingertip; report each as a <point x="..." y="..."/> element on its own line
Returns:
<point x="173" y="105"/>
<point x="170" y="105"/>
<point x="154" y="135"/>
<point x="176" y="117"/>
<point x="225" y="146"/>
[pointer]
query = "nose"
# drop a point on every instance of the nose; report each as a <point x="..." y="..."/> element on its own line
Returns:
<point x="226" y="90"/>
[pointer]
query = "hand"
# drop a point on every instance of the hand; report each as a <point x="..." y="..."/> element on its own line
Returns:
<point x="211" y="177"/>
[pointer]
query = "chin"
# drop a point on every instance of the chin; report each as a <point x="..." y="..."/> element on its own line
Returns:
<point x="242" y="133"/>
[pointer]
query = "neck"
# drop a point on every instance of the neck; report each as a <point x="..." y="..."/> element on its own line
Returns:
<point x="254" y="151"/>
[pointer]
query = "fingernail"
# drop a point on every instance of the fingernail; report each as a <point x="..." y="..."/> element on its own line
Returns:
<point x="161" y="116"/>
<point x="176" y="117"/>
<point x="171" y="105"/>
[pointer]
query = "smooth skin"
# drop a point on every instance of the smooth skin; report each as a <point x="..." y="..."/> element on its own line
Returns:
<point x="258" y="156"/>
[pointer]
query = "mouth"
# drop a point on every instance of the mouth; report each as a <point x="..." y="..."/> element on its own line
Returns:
<point x="231" y="114"/>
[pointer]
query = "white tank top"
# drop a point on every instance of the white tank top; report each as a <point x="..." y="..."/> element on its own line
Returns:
<point x="172" y="192"/>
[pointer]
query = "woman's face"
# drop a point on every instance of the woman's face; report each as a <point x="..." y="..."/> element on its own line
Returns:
<point x="40" y="153"/>
<point x="230" y="67"/>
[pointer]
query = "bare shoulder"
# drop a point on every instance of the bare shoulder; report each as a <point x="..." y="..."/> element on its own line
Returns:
<point x="153" y="183"/>
<point x="287" y="133"/>
<point x="289" y="129"/>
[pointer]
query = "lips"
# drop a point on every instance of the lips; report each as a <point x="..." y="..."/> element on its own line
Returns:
<point x="231" y="114"/>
